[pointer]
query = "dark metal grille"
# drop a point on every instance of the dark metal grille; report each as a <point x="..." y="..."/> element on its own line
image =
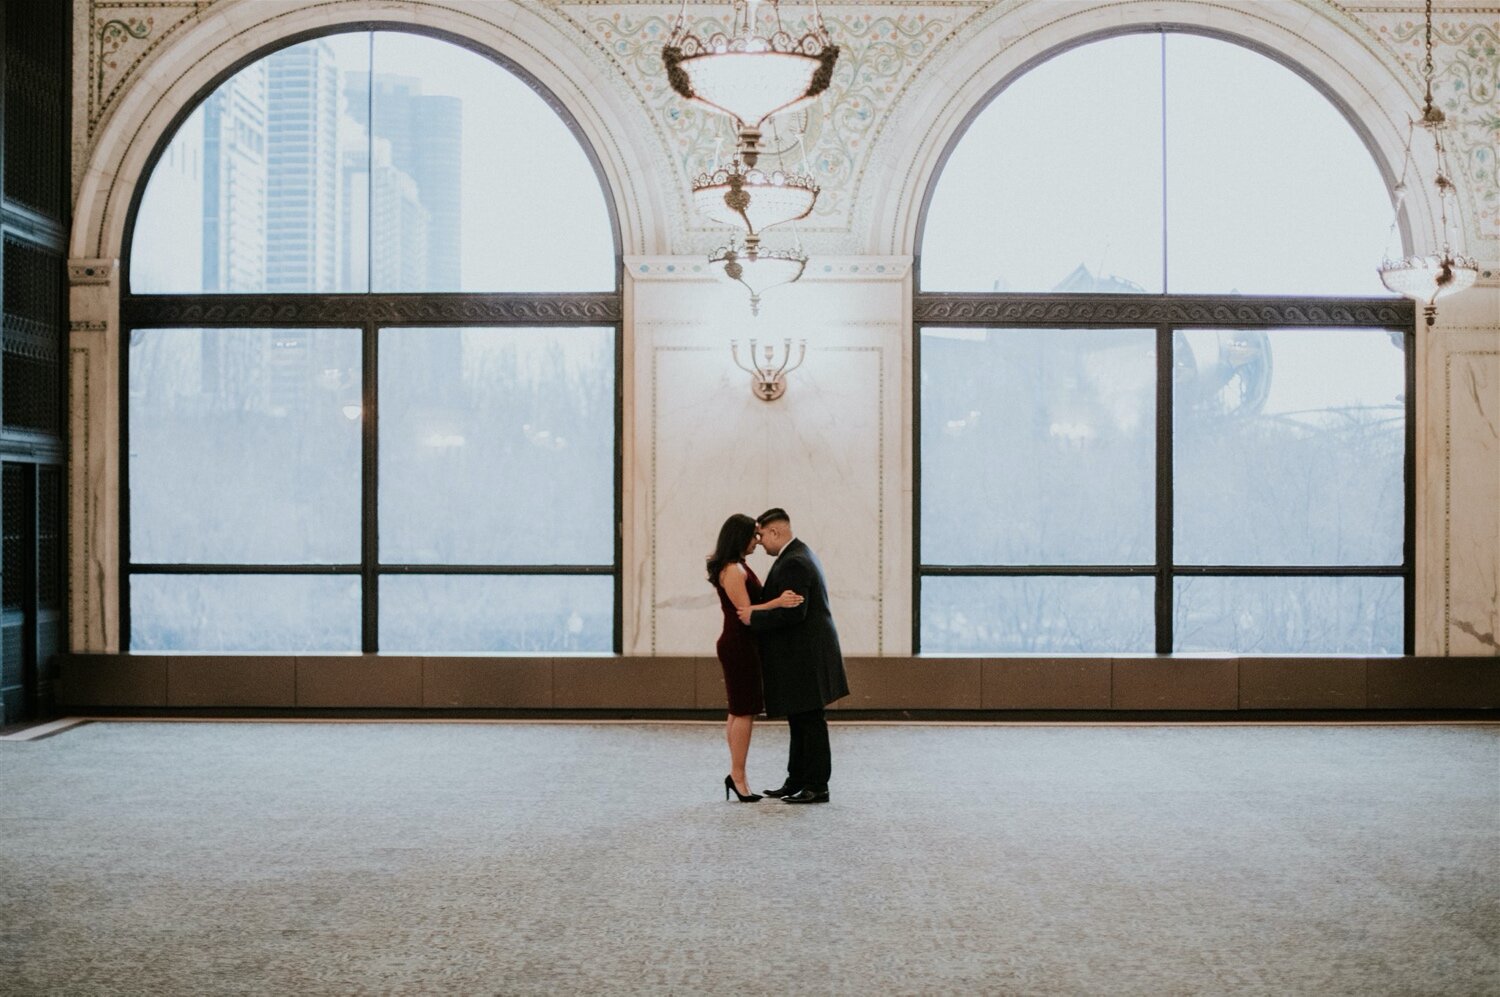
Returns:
<point x="49" y="542"/>
<point x="32" y="338"/>
<point x="13" y="524"/>
<point x="49" y="637"/>
<point x="36" y="87"/>
<point x="13" y="671"/>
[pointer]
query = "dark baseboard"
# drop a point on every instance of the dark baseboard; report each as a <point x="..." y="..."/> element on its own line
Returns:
<point x="1080" y="717"/>
<point x="891" y="688"/>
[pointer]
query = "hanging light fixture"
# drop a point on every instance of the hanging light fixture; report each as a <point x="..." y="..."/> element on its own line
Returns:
<point x="753" y="199"/>
<point x="759" y="269"/>
<point x="749" y="73"/>
<point x="1426" y="278"/>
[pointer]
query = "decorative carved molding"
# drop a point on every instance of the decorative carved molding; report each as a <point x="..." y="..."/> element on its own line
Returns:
<point x="818" y="268"/>
<point x="1152" y="310"/>
<point x="91" y="271"/>
<point x="356" y="309"/>
<point x="80" y="534"/>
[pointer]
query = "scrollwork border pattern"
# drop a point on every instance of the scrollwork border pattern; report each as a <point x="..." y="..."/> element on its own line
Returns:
<point x="1046" y="309"/>
<point x="354" y="309"/>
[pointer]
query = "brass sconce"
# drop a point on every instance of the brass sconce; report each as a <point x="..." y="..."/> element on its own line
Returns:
<point x="768" y="378"/>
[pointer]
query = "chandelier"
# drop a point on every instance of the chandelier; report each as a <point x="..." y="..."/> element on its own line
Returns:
<point x="758" y="269"/>
<point x="753" y="199"/>
<point x="1426" y="278"/>
<point x="749" y="73"/>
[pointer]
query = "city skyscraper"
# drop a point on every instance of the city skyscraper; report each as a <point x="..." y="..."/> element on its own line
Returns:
<point x="424" y="133"/>
<point x="299" y="194"/>
<point x="303" y="175"/>
<point x="235" y="182"/>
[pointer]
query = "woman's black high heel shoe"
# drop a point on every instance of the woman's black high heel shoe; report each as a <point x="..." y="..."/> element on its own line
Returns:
<point x="729" y="786"/>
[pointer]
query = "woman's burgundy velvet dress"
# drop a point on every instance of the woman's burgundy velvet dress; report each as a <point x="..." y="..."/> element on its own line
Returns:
<point x="739" y="655"/>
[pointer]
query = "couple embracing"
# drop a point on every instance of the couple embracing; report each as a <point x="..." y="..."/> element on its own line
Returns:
<point x="779" y="650"/>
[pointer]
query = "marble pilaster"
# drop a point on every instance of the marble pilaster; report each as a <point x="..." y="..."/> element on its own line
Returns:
<point x="93" y="455"/>
<point x="1458" y="458"/>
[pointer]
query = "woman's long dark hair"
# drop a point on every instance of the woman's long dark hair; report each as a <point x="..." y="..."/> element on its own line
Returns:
<point x="734" y="537"/>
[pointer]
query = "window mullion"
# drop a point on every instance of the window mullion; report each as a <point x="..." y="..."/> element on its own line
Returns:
<point x="1164" y="366"/>
<point x="369" y="504"/>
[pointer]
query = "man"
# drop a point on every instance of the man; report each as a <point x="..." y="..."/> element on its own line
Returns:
<point x="802" y="666"/>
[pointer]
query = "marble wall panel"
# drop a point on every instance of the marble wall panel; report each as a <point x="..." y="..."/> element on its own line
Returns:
<point x="1471" y="615"/>
<point x="1458" y="477"/>
<point x="829" y="451"/>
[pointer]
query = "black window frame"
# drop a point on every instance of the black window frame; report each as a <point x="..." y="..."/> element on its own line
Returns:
<point x="370" y="312"/>
<point x="1165" y="314"/>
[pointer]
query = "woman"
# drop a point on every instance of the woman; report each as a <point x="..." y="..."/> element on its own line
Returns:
<point x="738" y="587"/>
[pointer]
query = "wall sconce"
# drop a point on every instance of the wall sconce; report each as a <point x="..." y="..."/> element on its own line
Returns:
<point x="768" y="378"/>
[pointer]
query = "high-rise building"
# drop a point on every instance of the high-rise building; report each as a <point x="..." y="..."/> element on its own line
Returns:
<point x="436" y="129"/>
<point x="303" y="229"/>
<point x="234" y="183"/>
<point x="398" y="225"/>
<point x="424" y="133"/>
<point x="234" y="220"/>
<point x="302" y="224"/>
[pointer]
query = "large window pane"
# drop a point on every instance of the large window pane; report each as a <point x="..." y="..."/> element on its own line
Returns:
<point x="1263" y="185"/>
<point x="258" y="189"/>
<point x="1269" y="189"/>
<point x="245" y="613"/>
<point x="497" y="446"/>
<point x="468" y="180"/>
<point x="1038" y="615"/>
<point x="1056" y="186"/>
<point x="1038" y="446"/>
<point x="1289" y="447"/>
<point x="1288" y="615"/>
<point x="478" y="184"/>
<point x="244" y="446"/>
<point x="488" y="613"/>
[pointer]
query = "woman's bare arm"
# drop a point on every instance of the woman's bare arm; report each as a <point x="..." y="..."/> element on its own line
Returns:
<point x="733" y="581"/>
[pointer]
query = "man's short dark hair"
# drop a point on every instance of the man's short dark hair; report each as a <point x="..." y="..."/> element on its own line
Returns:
<point x="772" y="516"/>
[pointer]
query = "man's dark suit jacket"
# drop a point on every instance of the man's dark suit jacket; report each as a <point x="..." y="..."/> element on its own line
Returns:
<point x="799" y="647"/>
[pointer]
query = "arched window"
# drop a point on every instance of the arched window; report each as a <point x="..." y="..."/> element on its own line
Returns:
<point x="1158" y="411"/>
<point x="373" y="318"/>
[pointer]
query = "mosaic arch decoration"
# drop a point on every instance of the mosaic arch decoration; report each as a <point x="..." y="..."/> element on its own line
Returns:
<point x="121" y="35"/>
<point x="1466" y="56"/>
<point x="881" y="52"/>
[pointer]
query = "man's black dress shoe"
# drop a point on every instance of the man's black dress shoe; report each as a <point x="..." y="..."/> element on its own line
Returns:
<point x="777" y="794"/>
<point x="807" y="796"/>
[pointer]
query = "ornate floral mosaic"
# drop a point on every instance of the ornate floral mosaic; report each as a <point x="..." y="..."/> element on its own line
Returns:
<point x="120" y="37"/>
<point x="1466" y="78"/>
<point x="880" y="52"/>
